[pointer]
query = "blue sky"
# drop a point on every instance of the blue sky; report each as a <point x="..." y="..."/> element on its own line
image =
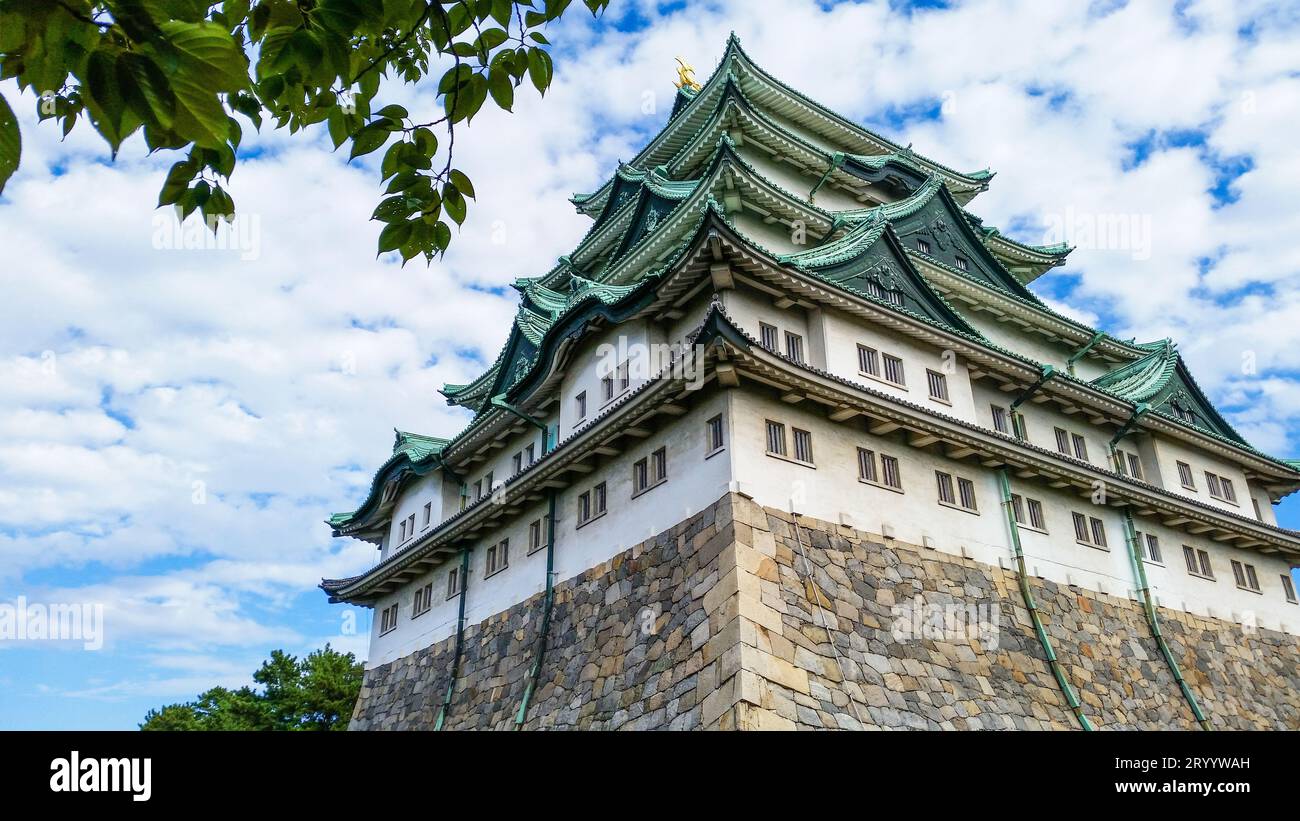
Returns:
<point x="178" y="422"/>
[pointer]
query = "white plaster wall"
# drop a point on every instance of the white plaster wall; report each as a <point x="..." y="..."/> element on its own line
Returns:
<point x="694" y="482"/>
<point x="832" y="492"/>
<point x="845" y="332"/>
<point x="1169" y="452"/>
<point x="788" y="177"/>
<point x="427" y="490"/>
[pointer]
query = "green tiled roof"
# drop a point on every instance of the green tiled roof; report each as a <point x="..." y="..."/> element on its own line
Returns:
<point x="1141" y="379"/>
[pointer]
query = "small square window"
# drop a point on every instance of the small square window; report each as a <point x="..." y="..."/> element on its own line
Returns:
<point x="894" y="370"/>
<point x="388" y="619"/>
<point x="1185" y="476"/>
<point x="803" y="445"/>
<point x="715" y="434"/>
<point x="1288" y="588"/>
<point x="868" y="360"/>
<point x="767" y="335"/>
<point x="938" y="384"/>
<point x="580" y="405"/>
<point x="961" y="263"/>
<point x="794" y="346"/>
<point x="923" y="246"/>
<point x="775" y="438"/>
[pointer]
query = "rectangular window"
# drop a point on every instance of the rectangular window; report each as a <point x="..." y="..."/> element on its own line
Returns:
<point x="794" y="346"/>
<point x="580" y="405"/>
<point x="1080" y="447"/>
<point x="1062" y="440"/>
<point x="1288" y="587"/>
<point x="1198" y="562"/>
<point x="1255" y="503"/>
<point x="923" y="246"/>
<point x="1245" y="576"/>
<point x="803" y="445"/>
<point x="423" y="600"/>
<point x="1036" y="515"/>
<point x="938" y="384"/>
<point x="1089" y="530"/>
<point x="428" y="513"/>
<point x="1018" y="508"/>
<point x="767" y="335"/>
<point x="1212" y="483"/>
<point x="1000" y="419"/>
<point x="487" y="483"/>
<point x="498" y="557"/>
<point x="1098" y="532"/>
<point x="716" y="440"/>
<point x="962" y="265"/>
<point x="410" y="526"/>
<point x="966" y="492"/>
<point x="402" y="532"/>
<point x="868" y="360"/>
<point x="867" y="465"/>
<point x="659" y="465"/>
<point x="894" y="370"/>
<point x="945" y="487"/>
<point x="1229" y="492"/>
<point x="1134" y="466"/>
<point x="1150" y="548"/>
<point x="388" y="620"/>
<point x="624" y="377"/>
<point x="530" y="453"/>
<point x="598" y="499"/>
<point x="640" y="475"/>
<point x="1185" y="476"/>
<point x="454" y="583"/>
<point x="1080" y="527"/>
<point x="890" y="473"/>
<point x="775" y="438"/>
<point x="607" y="387"/>
<point x="535" y="535"/>
<point x="519" y="461"/>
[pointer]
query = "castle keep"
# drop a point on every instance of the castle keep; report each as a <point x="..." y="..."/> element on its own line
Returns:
<point x="787" y="442"/>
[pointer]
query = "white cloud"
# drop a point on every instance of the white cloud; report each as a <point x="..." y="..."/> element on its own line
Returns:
<point x="131" y="373"/>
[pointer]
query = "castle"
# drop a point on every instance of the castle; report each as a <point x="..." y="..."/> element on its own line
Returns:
<point x="786" y="441"/>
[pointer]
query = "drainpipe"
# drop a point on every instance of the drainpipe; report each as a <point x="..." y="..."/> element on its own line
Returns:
<point x="1153" y="620"/>
<point x="837" y="160"/>
<point x="460" y="637"/>
<point x="1144" y="589"/>
<point x="1017" y="423"/>
<point x="535" y="672"/>
<point x="1077" y="355"/>
<point x="1059" y="672"/>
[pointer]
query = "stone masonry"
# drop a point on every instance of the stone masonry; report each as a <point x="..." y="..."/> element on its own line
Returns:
<point x="721" y="623"/>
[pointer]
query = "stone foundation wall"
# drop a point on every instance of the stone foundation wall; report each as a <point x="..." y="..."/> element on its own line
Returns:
<point x="716" y="624"/>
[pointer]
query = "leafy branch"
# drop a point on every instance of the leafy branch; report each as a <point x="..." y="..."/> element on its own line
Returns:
<point x="179" y="71"/>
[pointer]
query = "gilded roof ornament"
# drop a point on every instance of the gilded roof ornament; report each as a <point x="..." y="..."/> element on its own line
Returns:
<point x="686" y="76"/>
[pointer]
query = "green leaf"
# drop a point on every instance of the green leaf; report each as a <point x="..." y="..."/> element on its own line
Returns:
<point x="540" y="69"/>
<point x="208" y="62"/>
<point x="145" y="89"/>
<point x="501" y="88"/>
<point x="368" y="139"/>
<point x="462" y="183"/>
<point x="453" y="203"/>
<point x="392" y="210"/>
<point x="395" y="112"/>
<point x="11" y="144"/>
<point x="108" y="109"/>
<point x="393" y="235"/>
<point x="338" y="126"/>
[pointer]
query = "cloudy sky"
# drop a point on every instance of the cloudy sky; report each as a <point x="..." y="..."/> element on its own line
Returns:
<point x="175" y="424"/>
